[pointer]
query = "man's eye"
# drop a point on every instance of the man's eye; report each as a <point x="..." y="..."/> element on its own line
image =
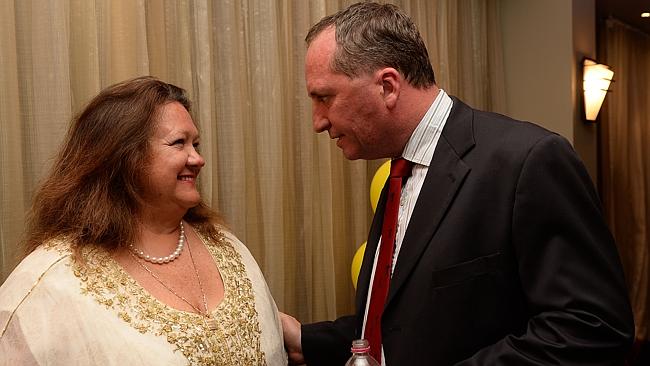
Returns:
<point x="322" y="98"/>
<point x="196" y="145"/>
<point x="179" y="142"/>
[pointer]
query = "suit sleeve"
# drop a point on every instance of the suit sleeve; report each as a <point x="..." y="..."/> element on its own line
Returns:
<point x="329" y="342"/>
<point x="569" y="269"/>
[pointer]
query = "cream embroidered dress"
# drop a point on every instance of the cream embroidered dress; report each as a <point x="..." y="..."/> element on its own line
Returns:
<point x="56" y="312"/>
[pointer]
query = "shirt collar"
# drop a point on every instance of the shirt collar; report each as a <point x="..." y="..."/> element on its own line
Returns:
<point x="421" y="145"/>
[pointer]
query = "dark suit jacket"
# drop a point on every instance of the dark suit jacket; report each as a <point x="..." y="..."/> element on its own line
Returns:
<point x="506" y="260"/>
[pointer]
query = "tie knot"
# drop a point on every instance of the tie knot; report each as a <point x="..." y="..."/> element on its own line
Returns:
<point x="400" y="168"/>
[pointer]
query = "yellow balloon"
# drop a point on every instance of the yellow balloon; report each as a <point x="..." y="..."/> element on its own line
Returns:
<point x="356" y="264"/>
<point x="378" y="182"/>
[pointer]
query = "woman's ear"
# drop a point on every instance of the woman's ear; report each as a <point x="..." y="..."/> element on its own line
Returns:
<point x="391" y="81"/>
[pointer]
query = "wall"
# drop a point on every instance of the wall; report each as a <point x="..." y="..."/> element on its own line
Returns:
<point x="585" y="134"/>
<point x="543" y="44"/>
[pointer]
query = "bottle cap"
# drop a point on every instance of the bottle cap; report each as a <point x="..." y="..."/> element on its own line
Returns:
<point x="360" y="346"/>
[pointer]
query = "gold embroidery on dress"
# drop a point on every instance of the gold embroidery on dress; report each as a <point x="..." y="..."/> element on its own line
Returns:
<point x="59" y="244"/>
<point x="236" y="341"/>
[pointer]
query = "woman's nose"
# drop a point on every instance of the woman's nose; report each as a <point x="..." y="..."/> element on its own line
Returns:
<point x="196" y="159"/>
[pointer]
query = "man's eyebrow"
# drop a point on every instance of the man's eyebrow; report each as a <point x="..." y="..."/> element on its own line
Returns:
<point x="319" y="92"/>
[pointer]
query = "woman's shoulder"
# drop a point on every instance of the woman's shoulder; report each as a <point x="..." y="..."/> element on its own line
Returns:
<point x="31" y="272"/>
<point x="40" y="261"/>
<point x="223" y="236"/>
<point x="227" y="239"/>
<point x="239" y="246"/>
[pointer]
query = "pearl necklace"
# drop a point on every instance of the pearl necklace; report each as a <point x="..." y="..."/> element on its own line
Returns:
<point x="210" y="322"/>
<point x="165" y="259"/>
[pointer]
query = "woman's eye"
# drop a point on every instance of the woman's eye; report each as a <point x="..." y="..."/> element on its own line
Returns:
<point x="179" y="142"/>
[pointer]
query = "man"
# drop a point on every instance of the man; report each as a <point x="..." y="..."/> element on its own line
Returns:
<point x="501" y="255"/>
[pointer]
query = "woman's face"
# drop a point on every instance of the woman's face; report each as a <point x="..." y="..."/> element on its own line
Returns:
<point x="174" y="162"/>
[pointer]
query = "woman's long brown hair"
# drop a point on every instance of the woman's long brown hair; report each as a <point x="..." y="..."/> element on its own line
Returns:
<point x="93" y="192"/>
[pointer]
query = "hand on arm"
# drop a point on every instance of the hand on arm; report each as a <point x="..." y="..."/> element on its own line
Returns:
<point x="291" y="332"/>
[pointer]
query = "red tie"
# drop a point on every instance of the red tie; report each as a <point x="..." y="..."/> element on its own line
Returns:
<point x="399" y="168"/>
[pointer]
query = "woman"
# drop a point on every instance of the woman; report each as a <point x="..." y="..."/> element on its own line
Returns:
<point x="127" y="265"/>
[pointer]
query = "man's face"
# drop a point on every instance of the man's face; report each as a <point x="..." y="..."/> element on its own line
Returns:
<point x="352" y="111"/>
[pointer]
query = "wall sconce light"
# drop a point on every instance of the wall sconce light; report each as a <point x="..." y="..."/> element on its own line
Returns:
<point x="595" y="84"/>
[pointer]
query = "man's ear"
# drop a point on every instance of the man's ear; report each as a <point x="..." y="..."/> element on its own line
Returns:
<point x="391" y="81"/>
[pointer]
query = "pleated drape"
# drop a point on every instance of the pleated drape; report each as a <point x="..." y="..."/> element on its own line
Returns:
<point x="625" y="162"/>
<point x="289" y="194"/>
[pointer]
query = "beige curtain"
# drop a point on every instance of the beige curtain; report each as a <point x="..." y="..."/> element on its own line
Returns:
<point x="288" y="193"/>
<point x="625" y="163"/>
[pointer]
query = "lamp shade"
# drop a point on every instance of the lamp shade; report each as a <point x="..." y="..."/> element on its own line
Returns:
<point x="595" y="84"/>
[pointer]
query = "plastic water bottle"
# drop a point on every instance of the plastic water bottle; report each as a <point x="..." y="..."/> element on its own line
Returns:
<point x="360" y="355"/>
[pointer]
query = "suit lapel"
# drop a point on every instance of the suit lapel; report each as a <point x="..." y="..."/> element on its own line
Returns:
<point x="363" y="282"/>
<point x="443" y="180"/>
<point x="445" y="176"/>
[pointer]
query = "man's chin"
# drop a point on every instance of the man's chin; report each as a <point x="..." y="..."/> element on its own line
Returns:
<point x="351" y="155"/>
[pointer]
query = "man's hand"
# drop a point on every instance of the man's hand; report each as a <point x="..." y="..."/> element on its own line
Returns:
<point x="291" y="331"/>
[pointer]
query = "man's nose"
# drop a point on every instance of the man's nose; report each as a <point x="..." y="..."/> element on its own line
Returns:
<point x="320" y="119"/>
<point x="321" y="123"/>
